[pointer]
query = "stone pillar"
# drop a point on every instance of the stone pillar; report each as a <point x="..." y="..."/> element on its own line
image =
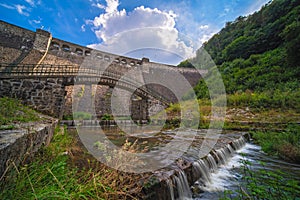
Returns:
<point x="86" y="101"/>
<point x="139" y="109"/>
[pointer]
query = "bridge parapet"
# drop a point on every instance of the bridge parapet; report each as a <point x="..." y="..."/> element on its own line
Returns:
<point x="28" y="55"/>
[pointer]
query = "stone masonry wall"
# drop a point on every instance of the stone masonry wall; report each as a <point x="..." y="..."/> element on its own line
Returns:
<point x="44" y="95"/>
<point x="19" y="145"/>
<point x="22" y="46"/>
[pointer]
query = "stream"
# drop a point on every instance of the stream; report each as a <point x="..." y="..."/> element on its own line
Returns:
<point x="228" y="176"/>
<point x="206" y="178"/>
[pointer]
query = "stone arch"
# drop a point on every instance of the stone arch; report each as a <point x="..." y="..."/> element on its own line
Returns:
<point x="124" y="61"/>
<point x="66" y="48"/>
<point x="132" y="63"/>
<point x="87" y="53"/>
<point x="99" y="56"/>
<point x="54" y="46"/>
<point x="117" y="60"/>
<point x="107" y="58"/>
<point x="79" y="51"/>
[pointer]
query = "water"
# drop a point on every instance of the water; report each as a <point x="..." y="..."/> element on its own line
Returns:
<point x="228" y="176"/>
<point x="217" y="172"/>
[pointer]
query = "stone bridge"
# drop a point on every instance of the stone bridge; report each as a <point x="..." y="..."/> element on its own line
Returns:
<point x="51" y="75"/>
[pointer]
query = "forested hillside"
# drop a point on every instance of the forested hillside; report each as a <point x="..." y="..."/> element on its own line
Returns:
<point x="260" y="55"/>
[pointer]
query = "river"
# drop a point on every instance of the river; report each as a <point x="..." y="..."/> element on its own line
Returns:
<point x="229" y="177"/>
<point x="219" y="171"/>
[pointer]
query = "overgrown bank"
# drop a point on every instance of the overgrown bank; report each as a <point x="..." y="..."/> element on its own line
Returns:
<point x="284" y="144"/>
<point x="63" y="170"/>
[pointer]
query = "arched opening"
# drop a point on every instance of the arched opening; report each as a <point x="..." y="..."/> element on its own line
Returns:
<point x="124" y="62"/>
<point x="87" y="53"/>
<point x="54" y="46"/>
<point x="107" y="58"/>
<point x="66" y="48"/>
<point x="99" y="56"/>
<point x="117" y="60"/>
<point x="79" y="51"/>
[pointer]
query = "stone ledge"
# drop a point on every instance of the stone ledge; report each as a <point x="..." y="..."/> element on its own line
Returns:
<point x="21" y="144"/>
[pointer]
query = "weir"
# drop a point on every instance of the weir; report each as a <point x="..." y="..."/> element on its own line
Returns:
<point x="185" y="182"/>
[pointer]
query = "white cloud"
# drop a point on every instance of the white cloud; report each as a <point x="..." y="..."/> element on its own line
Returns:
<point x="83" y="28"/>
<point x="98" y="5"/>
<point x="7" y="6"/>
<point x="30" y="2"/>
<point x="204" y="26"/>
<point x="22" y="9"/>
<point x="36" y="21"/>
<point x="112" y="6"/>
<point x="121" y="32"/>
<point x="255" y="6"/>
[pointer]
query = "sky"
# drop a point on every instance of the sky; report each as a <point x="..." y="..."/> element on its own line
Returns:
<point x="165" y="31"/>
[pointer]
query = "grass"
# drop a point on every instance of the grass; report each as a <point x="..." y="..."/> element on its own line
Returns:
<point x="12" y="111"/>
<point x="264" y="184"/>
<point x="284" y="144"/>
<point x="241" y="116"/>
<point x="63" y="170"/>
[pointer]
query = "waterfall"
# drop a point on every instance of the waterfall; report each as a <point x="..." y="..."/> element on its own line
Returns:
<point x="171" y="188"/>
<point x="182" y="185"/>
<point x="178" y="185"/>
<point x="202" y="170"/>
<point x="230" y="149"/>
<point x="212" y="163"/>
<point x="222" y="156"/>
<point x="239" y="143"/>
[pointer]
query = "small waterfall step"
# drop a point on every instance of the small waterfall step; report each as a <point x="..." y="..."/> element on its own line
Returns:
<point x="179" y="183"/>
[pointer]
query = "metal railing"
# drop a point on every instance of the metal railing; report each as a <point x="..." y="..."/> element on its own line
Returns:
<point x="8" y="71"/>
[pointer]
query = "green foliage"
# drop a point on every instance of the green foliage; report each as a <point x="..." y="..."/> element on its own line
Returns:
<point x="13" y="111"/>
<point x="258" y="54"/>
<point x="285" y="144"/>
<point x="264" y="184"/>
<point x="185" y="64"/>
<point x="266" y="100"/>
<point x="253" y="34"/>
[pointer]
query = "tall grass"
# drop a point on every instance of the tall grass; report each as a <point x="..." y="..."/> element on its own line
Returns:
<point x="57" y="173"/>
<point x="13" y="111"/>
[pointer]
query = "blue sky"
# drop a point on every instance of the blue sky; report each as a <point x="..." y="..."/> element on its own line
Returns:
<point x="165" y="31"/>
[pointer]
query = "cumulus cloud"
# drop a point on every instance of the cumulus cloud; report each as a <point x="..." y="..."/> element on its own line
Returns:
<point x="121" y="32"/>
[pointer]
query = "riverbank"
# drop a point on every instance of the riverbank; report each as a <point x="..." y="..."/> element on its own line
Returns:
<point x="22" y="133"/>
<point x="64" y="169"/>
